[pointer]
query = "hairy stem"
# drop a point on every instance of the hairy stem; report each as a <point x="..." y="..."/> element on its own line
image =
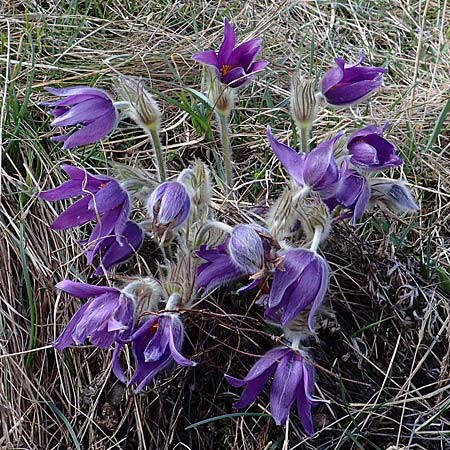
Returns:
<point x="227" y="153"/>
<point x="160" y="164"/>
<point x="316" y="239"/>
<point x="305" y="132"/>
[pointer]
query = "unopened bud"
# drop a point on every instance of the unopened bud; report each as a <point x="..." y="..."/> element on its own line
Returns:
<point x="168" y="207"/>
<point x="222" y="97"/>
<point x="313" y="213"/>
<point x="197" y="182"/>
<point x="393" y="195"/>
<point x="142" y="108"/>
<point x="280" y="219"/>
<point x="303" y="101"/>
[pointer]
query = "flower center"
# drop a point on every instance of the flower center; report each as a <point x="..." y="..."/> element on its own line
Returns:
<point x="153" y="328"/>
<point x="225" y="69"/>
<point x="103" y="185"/>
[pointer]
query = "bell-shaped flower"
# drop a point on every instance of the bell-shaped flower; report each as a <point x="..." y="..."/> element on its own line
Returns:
<point x="250" y="248"/>
<point x="91" y="108"/>
<point x="105" y="318"/>
<point x="353" y="193"/>
<point x="234" y="66"/>
<point x="316" y="170"/>
<point x="301" y="282"/>
<point x="113" y="250"/>
<point x="156" y="342"/>
<point x="349" y="84"/>
<point x="370" y="151"/>
<point x="168" y="207"/>
<point x="293" y="381"/>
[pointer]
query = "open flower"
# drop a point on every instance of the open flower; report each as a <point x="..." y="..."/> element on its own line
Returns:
<point x="104" y="201"/>
<point x="301" y="283"/>
<point x="293" y="381"/>
<point x="168" y="207"/>
<point x="316" y="170"/>
<point x="91" y="108"/>
<point x="370" y="151"/>
<point x="233" y="66"/>
<point x="156" y="342"/>
<point x="108" y="315"/>
<point x="348" y="84"/>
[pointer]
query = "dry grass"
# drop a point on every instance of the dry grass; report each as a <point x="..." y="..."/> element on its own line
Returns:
<point x="383" y="355"/>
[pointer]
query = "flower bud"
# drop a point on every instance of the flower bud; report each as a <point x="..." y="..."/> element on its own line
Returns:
<point x="250" y="247"/>
<point x="303" y="101"/>
<point x="221" y="96"/>
<point x="142" y="108"/>
<point x="313" y="213"/>
<point x="393" y="195"/>
<point x="168" y="208"/>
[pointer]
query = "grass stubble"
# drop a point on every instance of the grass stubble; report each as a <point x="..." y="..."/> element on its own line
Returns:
<point x="383" y="351"/>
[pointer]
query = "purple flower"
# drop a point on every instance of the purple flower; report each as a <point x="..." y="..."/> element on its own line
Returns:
<point x="168" y="207"/>
<point x="302" y="282"/>
<point x="293" y="381"/>
<point x="250" y="248"/>
<point x="219" y="268"/>
<point x="317" y="170"/>
<point x="102" y="200"/>
<point x="156" y="342"/>
<point x="91" y="108"/>
<point x="108" y="315"/>
<point x="114" y="250"/>
<point x="233" y="66"/>
<point x="353" y="193"/>
<point x="348" y="84"/>
<point x="370" y="151"/>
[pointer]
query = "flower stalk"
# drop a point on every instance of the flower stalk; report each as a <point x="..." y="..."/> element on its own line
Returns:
<point x="152" y="131"/>
<point x="227" y="152"/>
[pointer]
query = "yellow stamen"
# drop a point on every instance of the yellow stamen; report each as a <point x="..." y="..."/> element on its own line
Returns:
<point x="225" y="69"/>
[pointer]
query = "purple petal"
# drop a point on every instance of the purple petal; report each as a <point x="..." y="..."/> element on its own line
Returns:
<point x="75" y="173"/>
<point x="303" y="402"/>
<point x="116" y="365"/>
<point x="75" y="215"/>
<point x="284" y="387"/>
<point x="84" y="112"/>
<point x="207" y="57"/>
<point x="93" y="132"/>
<point x="352" y="93"/>
<point x="257" y="66"/>
<point x="176" y="335"/>
<point x="245" y="53"/>
<point x="320" y="294"/>
<point x="82" y="290"/>
<point x="78" y="90"/>
<point x="71" y="188"/>
<point x="252" y="389"/>
<point x="333" y="76"/>
<point x="228" y="43"/>
<point x="235" y="77"/>
<point x="291" y="160"/>
<point x="362" y="202"/>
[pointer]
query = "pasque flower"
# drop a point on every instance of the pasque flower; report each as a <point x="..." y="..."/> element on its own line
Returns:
<point x="91" y="108"/>
<point x="233" y="66"/>
<point x="316" y="170"/>
<point x="348" y="84"/>
<point x="353" y="193"/>
<point x="108" y="315"/>
<point x="293" y="381"/>
<point x="370" y="151"/>
<point x="156" y="342"/>
<point x="103" y="200"/>
<point x="300" y="283"/>
<point x="168" y="207"/>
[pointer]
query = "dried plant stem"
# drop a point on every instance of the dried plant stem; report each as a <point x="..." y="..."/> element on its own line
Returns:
<point x="227" y="152"/>
<point x="160" y="163"/>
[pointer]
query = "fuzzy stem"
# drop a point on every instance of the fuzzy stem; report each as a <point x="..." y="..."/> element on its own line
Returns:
<point x="303" y="192"/>
<point x="227" y="153"/>
<point x="305" y="130"/>
<point x="316" y="239"/>
<point x="160" y="164"/>
<point x="173" y="301"/>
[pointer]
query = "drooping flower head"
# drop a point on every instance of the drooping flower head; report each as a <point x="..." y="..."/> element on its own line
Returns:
<point x="348" y="84"/>
<point x="156" y="342"/>
<point x="301" y="283"/>
<point x="91" y="108"/>
<point x="108" y="315"/>
<point x="233" y="66"/>
<point x="104" y="201"/>
<point x="352" y="194"/>
<point x="393" y="195"/>
<point x="370" y="151"/>
<point x="317" y="170"/>
<point x="293" y="380"/>
<point x="168" y="207"/>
